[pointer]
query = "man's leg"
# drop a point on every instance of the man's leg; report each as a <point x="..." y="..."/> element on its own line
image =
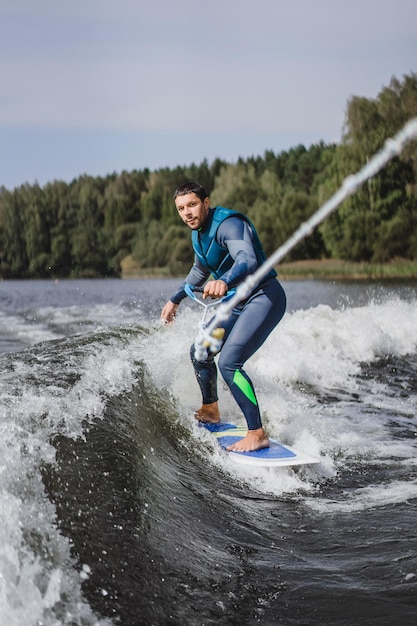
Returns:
<point x="206" y="375"/>
<point x="258" y="318"/>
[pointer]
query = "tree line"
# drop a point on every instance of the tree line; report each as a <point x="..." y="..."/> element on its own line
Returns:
<point x="92" y="225"/>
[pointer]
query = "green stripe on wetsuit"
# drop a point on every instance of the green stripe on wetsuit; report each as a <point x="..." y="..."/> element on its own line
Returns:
<point x="244" y="386"/>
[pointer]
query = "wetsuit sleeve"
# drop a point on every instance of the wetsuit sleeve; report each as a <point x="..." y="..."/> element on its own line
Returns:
<point x="235" y="234"/>
<point x="196" y="276"/>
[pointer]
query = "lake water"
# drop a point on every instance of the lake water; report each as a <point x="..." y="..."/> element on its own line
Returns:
<point x="117" y="509"/>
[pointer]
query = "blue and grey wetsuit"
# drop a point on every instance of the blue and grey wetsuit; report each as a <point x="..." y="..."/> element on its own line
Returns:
<point x="228" y="248"/>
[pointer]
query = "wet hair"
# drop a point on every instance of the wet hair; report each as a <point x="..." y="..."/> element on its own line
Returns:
<point x="191" y="187"/>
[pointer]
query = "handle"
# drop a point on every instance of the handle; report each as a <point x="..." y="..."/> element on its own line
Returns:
<point x="190" y="290"/>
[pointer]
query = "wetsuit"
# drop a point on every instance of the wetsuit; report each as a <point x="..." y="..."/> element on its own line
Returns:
<point x="228" y="248"/>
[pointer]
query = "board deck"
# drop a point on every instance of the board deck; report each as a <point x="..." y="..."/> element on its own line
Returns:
<point x="278" y="454"/>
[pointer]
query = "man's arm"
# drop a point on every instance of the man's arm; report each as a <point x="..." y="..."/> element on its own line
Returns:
<point x="236" y="235"/>
<point x="196" y="277"/>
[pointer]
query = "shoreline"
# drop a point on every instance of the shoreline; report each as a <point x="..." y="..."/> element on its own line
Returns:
<point x="314" y="269"/>
<point x="310" y="269"/>
<point x="335" y="269"/>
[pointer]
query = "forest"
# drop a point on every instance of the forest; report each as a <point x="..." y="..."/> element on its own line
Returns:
<point x="96" y="226"/>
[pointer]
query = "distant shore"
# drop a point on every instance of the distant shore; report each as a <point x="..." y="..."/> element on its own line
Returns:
<point x="315" y="269"/>
<point x="333" y="269"/>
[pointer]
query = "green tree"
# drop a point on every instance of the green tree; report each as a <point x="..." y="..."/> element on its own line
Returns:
<point x="91" y="258"/>
<point x="87" y="227"/>
<point x="13" y="245"/>
<point x="385" y="206"/>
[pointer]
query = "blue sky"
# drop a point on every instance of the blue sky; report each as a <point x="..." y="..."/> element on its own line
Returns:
<point x="101" y="86"/>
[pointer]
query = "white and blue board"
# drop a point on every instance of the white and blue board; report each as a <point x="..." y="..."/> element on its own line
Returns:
<point x="277" y="455"/>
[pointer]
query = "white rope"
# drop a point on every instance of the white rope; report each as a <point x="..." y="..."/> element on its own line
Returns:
<point x="392" y="148"/>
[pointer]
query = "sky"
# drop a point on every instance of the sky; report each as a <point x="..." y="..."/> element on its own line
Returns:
<point x="101" y="86"/>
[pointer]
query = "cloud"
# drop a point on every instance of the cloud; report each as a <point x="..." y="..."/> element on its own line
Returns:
<point x="225" y="69"/>
<point x="121" y="65"/>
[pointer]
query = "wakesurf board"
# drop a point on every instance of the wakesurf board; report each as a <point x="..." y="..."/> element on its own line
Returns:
<point x="278" y="454"/>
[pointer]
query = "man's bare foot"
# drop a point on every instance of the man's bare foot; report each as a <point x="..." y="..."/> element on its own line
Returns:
<point x="254" y="440"/>
<point x="208" y="413"/>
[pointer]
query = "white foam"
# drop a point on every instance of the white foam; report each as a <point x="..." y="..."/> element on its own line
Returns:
<point x="313" y="354"/>
<point x="31" y="584"/>
<point x="22" y="331"/>
<point x="387" y="494"/>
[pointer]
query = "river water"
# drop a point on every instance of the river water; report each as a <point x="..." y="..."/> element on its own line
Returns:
<point x="117" y="509"/>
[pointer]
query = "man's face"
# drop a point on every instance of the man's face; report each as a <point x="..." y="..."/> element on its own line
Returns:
<point x="192" y="210"/>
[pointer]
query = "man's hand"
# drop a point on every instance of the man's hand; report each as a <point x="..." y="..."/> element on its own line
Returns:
<point x="215" y="289"/>
<point x="169" y="312"/>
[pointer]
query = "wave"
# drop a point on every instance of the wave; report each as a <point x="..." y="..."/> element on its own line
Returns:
<point x="116" y="507"/>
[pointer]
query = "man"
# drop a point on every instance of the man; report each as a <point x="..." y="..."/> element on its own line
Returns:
<point x="227" y="247"/>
